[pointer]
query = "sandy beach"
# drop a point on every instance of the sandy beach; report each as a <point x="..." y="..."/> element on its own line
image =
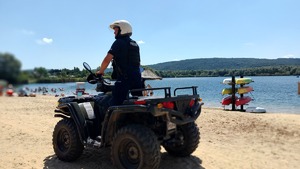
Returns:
<point x="229" y="139"/>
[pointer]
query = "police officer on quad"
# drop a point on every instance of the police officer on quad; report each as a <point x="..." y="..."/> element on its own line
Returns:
<point x="125" y="56"/>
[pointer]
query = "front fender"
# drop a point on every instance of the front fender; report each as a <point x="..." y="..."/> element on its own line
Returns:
<point x="71" y="110"/>
<point x="62" y="111"/>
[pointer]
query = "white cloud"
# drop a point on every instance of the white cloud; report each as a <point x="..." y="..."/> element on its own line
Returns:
<point x="140" y="42"/>
<point x="45" y="41"/>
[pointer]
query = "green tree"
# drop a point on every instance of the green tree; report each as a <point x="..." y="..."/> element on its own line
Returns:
<point x="40" y="72"/>
<point x="10" y="67"/>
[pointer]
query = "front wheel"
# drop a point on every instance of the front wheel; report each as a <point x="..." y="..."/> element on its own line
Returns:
<point x="135" y="147"/>
<point x="185" y="142"/>
<point x="66" y="143"/>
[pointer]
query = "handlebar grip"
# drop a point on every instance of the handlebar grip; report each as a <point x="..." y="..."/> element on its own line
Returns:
<point x="99" y="76"/>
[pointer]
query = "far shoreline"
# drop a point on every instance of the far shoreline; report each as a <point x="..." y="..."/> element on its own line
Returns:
<point x="227" y="109"/>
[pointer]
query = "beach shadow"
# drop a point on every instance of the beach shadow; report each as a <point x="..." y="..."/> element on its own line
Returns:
<point x="100" y="159"/>
<point x="171" y="162"/>
<point x="90" y="159"/>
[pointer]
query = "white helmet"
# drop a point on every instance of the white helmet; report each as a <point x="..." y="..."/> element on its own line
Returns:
<point x="124" y="26"/>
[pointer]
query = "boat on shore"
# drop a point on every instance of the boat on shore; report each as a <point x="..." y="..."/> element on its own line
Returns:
<point x="256" y="110"/>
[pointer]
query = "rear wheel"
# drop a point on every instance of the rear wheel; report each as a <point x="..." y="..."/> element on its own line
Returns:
<point x="185" y="142"/>
<point x="135" y="147"/>
<point x="66" y="142"/>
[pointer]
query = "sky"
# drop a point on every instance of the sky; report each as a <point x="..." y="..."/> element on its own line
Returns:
<point x="57" y="34"/>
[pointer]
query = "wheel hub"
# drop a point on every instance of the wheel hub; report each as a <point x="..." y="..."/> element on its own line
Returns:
<point x="64" y="141"/>
<point x="129" y="154"/>
<point x="133" y="152"/>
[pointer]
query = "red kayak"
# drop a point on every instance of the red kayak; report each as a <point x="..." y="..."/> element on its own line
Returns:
<point x="227" y="100"/>
<point x="239" y="101"/>
<point x="243" y="100"/>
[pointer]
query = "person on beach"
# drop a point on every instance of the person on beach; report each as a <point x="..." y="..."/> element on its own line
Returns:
<point x="148" y="92"/>
<point x="1" y="90"/>
<point x="125" y="57"/>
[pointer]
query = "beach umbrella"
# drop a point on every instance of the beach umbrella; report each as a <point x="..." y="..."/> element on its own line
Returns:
<point x="150" y="75"/>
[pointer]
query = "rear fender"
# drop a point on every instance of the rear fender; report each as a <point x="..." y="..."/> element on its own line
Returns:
<point x="196" y="109"/>
<point x="112" y="116"/>
<point x="180" y="118"/>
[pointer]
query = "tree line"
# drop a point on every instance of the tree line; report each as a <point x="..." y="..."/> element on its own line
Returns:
<point x="224" y="63"/>
<point x="256" y="71"/>
<point x="10" y="70"/>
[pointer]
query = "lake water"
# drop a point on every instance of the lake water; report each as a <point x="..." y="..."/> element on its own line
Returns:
<point x="278" y="94"/>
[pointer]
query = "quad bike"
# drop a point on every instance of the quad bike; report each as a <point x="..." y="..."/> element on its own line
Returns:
<point x="134" y="130"/>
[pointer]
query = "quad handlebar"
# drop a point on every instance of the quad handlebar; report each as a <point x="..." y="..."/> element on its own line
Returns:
<point x="102" y="84"/>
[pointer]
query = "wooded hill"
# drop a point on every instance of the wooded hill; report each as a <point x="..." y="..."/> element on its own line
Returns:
<point x="223" y="63"/>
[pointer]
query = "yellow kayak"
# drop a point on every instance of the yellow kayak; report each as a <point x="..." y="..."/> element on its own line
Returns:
<point x="243" y="80"/>
<point x="227" y="91"/>
<point x="241" y="90"/>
